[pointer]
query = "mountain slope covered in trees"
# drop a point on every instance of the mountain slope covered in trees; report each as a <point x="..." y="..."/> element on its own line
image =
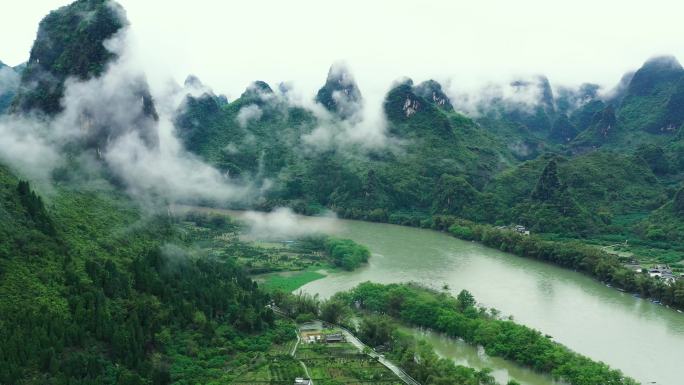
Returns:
<point x="9" y="82"/>
<point x="613" y="167"/>
<point x="270" y="144"/>
<point x="96" y="290"/>
<point x="93" y="293"/>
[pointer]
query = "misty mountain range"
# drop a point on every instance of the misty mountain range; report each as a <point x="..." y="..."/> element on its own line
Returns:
<point x="92" y="163"/>
<point x="426" y="152"/>
<point x="319" y="160"/>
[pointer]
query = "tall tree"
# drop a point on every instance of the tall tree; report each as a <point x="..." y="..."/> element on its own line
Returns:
<point x="549" y="184"/>
<point x="678" y="203"/>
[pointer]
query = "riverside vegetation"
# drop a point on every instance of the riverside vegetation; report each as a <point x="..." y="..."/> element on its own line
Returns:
<point x="382" y="307"/>
<point x="621" y="188"/>
<point x="277" y="264"/>
<point x="98" y="286"/>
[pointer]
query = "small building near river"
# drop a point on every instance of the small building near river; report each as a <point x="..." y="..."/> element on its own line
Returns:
<point x="334" y="338"/>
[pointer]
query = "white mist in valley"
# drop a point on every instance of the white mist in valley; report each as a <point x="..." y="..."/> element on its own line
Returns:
<point x="283" y="224"/>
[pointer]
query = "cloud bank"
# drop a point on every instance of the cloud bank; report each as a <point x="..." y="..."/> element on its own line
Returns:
<point x="113" y="118"/>
<point x="248" y="114"/>
<point x="23" y="146"/>
<point x="284" y="224"/>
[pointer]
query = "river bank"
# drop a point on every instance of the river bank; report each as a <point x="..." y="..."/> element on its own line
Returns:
<point x="575" y="309"/>
<point x="627" y="333"/>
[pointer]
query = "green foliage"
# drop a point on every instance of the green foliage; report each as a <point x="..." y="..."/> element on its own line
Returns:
<point x="376" y="330"/>
<point x="35" y="208"/>
<point x="463" y="232"/>
<point x="340" y="94"/>
<point x="548" y="186"/>
<point x="674" y="113"/>
<point x="69" y="43"/>
<point x="454" y="195"/>
<point x="291" y="282"/>
<point x="211" y="129"/>
<point x="334" y="311"/>
<point x="506" y="339"/>
<point x="371" y="186"/>
<point x="602" y="129"/>
<point x="594" y="188"/>
<point x="346" y="253"/>
<point x="424" y="365"/>
<point x="678" y="203"/>
<point x="552" y="207"/>
<point x="645" y="107"/>
<point x="90" y="291"/>
<point x="428" y="178"/>
<point x="197" y="117"/>
<point x="449" y="166"/>
<point x="583" y="116"/>
<point x="667" y="223"/>
<point x="431" y="91"/>
<point x="25" y="230"/>
<point x="562" y="130"/>
<point x="219" y="354"/>
<point x="295" y="305"/>
<point x="655" y="157"/>
<point x="465" y="300"/>
<point x="578" y="256"/>
<point x="93" y="291"/>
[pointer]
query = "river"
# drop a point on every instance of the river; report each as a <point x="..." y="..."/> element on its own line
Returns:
<point x="467" y="355"/>
<point x="644" y="340"/>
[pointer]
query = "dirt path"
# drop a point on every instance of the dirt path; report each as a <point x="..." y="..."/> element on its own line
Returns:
<point x="381" y="358"/>
<point x="306" y="370"/>
<point x="399" y="372"/>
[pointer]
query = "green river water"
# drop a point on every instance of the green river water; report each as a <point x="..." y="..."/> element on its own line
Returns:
<point x="644" y="340"/>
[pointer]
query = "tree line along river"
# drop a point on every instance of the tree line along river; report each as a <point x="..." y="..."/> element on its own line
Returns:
<point x="644" y="340"/>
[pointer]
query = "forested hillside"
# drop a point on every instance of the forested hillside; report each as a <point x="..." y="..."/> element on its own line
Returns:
<point x="439" y="143"/>
<point x="100" y="283"/>
<point x="603" y="163"/>
<point x="9" y="82"/>
<point x="94" y="287"/>
<point x="94" y="293"/>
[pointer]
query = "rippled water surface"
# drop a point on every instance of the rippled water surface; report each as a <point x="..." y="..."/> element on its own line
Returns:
<point x="644" y="340"/>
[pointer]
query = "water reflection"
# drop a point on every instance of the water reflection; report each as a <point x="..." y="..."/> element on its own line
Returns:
<point x="475" y="357"/>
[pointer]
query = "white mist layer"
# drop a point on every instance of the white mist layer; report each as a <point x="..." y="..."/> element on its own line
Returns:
<point x="283" y="224"/>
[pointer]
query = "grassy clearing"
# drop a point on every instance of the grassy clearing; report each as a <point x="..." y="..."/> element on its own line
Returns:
<point x="342" y="363"/>
<point x="290" y="282"/>
<point x="292" y="263"/>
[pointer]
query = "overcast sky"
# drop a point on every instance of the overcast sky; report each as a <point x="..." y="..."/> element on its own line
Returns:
<point x="228" y="44"/>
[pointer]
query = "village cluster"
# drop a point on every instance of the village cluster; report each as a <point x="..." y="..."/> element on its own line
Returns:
<point x="662" y="272"/>
<point x="520" y="229"/>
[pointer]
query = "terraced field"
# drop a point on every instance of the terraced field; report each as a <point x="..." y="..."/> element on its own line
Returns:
<point x="326" y="364"/>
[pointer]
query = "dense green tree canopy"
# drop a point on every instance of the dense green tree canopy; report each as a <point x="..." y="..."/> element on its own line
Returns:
<point x="440" y="312"/>
<point x="70" y="42"/>
<point x="678" y="203"/>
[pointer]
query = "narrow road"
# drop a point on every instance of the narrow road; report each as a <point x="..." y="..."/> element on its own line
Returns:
<point x="381" y="358"/>
<point x="399" y="372"/>
<point x="306" y="370"/>
<point x="294" y="348"/>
